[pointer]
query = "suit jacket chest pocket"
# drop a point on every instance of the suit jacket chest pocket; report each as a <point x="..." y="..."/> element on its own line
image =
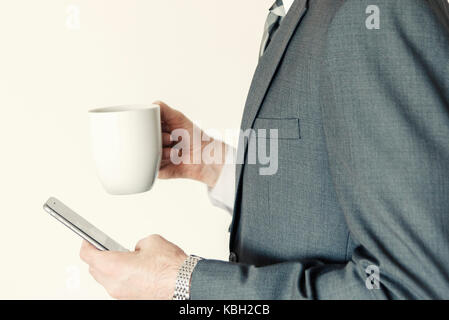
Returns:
<point x="287" y="128"/>
<point x="274" y="135"/>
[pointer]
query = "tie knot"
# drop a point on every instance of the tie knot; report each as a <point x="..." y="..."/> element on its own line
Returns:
<point x="278" y="8"/>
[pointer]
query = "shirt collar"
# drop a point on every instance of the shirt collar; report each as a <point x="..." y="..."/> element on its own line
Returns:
<point x="287" y="4"/>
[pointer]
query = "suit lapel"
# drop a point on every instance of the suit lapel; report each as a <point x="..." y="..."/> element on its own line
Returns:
<point x="265" y="72"/>
<point x="269" y="62"/>
<point x="268" y="65"/>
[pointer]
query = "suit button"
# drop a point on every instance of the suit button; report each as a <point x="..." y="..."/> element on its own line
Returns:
<point x="232" y="257"/>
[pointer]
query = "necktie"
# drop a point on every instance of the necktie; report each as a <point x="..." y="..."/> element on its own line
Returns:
<point x="277" y="13"/>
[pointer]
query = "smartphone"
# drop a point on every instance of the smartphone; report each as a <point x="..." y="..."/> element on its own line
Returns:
<point x="80" y="226"/>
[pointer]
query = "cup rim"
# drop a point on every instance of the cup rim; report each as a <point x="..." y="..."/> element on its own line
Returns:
<point x="124" y="108"/>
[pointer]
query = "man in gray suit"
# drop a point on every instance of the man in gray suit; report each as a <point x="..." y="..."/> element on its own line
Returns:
<point x="358" y="91"/>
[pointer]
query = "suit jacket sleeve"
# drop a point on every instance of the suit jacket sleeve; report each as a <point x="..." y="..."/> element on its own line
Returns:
<point x="386" y="118"/>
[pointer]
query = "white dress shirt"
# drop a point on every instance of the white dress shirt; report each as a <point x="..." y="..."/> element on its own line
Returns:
<point x="287" y="5"/>
<point x="223" y="194"/>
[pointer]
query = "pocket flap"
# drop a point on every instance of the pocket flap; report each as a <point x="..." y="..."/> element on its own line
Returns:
<point x="287" y="128"/>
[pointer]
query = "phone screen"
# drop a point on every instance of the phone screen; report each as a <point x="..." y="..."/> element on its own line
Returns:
<point x="81" y="226"/>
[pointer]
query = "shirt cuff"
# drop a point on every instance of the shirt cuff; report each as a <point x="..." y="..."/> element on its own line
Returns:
<point x="223" y="194"/>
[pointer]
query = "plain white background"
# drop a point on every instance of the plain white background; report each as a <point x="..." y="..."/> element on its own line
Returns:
<point x="197" y="55"/>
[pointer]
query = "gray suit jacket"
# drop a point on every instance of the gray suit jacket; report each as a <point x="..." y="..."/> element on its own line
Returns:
<point x="363" y="178"/>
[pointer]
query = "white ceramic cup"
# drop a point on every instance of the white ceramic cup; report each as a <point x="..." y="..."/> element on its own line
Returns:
<point x="126" y="145"/>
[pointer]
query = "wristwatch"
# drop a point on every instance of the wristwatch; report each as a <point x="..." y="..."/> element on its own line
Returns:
<point x="182" y="287"/>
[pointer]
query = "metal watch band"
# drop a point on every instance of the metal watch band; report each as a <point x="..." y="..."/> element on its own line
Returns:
<point x="182" y="287"/>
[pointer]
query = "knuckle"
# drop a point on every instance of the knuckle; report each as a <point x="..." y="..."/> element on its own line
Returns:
<point x="148" y="241"/>
<point x="155" y="237"/>
<point x="139" y="244"/>
<point x="179" y="116"/>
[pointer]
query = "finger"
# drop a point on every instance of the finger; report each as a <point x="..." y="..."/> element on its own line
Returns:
<point x="165" y="127"/>
<point x="105" y="281"/>
<point x="166" y="154"/>
<point x="91" y="255"/>
<point x="167" y="139"/>
<point x="167" y="113"/>
<point x="164" y="174"/>
<point x="164" y="163"/>
<point x="170" y="172"/>
<point x="87" y="252"/>
<point x="100" y="260"/>
<point x="150" y="242"/>
<point x="98" y="276"/>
